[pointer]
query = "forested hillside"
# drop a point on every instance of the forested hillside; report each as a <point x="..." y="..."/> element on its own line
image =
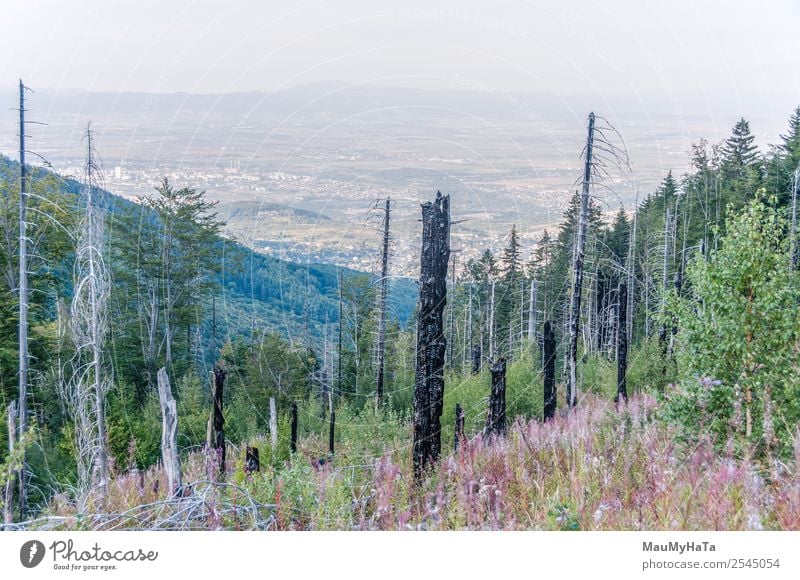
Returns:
<point x="639" y="371"/>
<point x="227" y="299"/>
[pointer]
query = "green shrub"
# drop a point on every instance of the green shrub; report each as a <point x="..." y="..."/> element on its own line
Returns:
<point x="738" y="338"/>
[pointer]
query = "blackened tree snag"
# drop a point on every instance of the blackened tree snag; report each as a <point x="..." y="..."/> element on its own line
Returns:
<point x="549" y="367"/>
<point x="577" y="271"/>
<point x="431" y="343"/>
<point x="332" y="433"/>
<point x="459" y="433"/>
<point x="170" y="456"/>
<point x="476" y="360"/>
<point x="252" y="463"/>
<point x="293" y="418"/>
<point x="382" y="306"/>
<point x="622" y="343"/>
<point x="218" y="421"/>
<point x="496" y="418"/>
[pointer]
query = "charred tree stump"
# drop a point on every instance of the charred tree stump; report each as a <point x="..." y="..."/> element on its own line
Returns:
<point x="549" y="368"/>
<point x="431" y="342"/>
<point x="459" y="434"/>
<point x="169" y="435"/>
<point x="218" y="419"/>
<point x="252" y="463"/>
<point x="293" y="418"/>
<point x="332" y="433"/>
<point x="496" y="418"/>
<point x="622" y="343"/>
<point x="476" y="360"/>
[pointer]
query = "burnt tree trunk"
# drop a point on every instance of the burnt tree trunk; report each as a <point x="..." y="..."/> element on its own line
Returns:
<point x="459" y="433"/>
<point x="622" y="343"/>
<point x="170" y="456"/>
<point x="218" y="420"/>
<point x="496" y="419"/>
<point x="431" y="343"/>
<point x="577" y="271"/>
<point x="382" y="307"/>
<point x="476" y="360"/>
<point x="549" y="368"/>
<point x="293" y="418"/>
<point x="252" y="463"/>
<point x="332" y="433"/>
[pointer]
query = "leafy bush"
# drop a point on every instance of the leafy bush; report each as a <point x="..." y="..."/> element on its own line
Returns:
<point x="738" y="338"/>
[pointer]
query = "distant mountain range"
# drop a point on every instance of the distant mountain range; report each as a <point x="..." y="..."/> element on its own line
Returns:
<point x="344" y="99"/>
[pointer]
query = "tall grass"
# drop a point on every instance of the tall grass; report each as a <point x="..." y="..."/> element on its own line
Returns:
<point x="597" y="467"/>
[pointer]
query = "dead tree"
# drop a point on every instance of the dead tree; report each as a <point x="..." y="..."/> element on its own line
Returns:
<point x="273" y="425"/>
<point x="332" y="433"/>
<point x="492" y="334"/>
<point x="476" y="360"/>
<point x="381" y="349"/>
<point x="293" y="419"/>
<point x="451" y="344"/>
<point x="170" y="456"/>
<point x="459" y="430"/>
<point x="496" y="417"/>
<point x="218" y="420"/>
<point x="794" y="254"/>
<point x="622" y="343"/>
<point x="8" y="498"/>
<point x="252" y="462"/>
<point x="549" y="369"/>
<point x="431" y="342"/>
<point x="469" y="339"/>
<point x="21" y="475"/>
<point x="577" y="270"/>
<point x="631" y="273"/>
<point x="532" y="311"/>
<point x="87" y="387"/>
<point x="662" y="331"/>
<point x="339" y="385"/>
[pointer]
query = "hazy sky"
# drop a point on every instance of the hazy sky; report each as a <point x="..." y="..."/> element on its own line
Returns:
<point x="676" y="46"/>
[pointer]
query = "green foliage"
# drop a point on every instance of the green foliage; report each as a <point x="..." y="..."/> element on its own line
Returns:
<point x="12" y="462"/>
<point x="134" y="432"/>
<point x="194" y="411"/>
<point x="524" y="397"/>
<point x="646" y="368"/>
<point x="738" y="337"/>
<point x="598" y="375"/>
